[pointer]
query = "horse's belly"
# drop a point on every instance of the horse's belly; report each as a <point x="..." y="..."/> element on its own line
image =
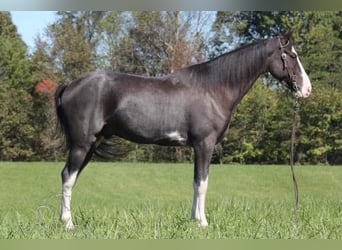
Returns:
<point x="147" y="136"/>
<point x="148" y="128"/>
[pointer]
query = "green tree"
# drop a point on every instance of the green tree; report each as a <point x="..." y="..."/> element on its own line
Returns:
<point x="16" y="132"/>
<point x="73" y="40"/>
<point x="42" y="64"/>
<point x="320" y="32"/>
<point x="16" y="86"/>
<point x="320" y="129"/>
<point x="14" y="63"/>
<point x="114" y="41"/>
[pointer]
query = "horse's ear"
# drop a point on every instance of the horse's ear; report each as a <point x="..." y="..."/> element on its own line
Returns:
<point x="288" y="34"/>
<point x="286" y="37"/>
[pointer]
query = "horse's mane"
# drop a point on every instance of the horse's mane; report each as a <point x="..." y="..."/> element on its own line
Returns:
<point x="231" y="68"/>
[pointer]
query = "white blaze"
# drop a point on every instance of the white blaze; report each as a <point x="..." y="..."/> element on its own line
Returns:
<point x="305" y="88"/>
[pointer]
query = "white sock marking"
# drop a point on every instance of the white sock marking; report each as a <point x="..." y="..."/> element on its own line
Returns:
<point x="198" y="206"/>
<point x="66" y="201"/>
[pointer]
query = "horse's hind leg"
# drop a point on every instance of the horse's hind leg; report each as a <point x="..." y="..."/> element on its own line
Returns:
<point x="77" y="160"/>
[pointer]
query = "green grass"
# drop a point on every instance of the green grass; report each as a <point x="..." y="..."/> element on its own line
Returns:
<point x="153" y="201"/>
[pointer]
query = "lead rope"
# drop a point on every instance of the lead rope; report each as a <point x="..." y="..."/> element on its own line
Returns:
<point x="293" y="138"/>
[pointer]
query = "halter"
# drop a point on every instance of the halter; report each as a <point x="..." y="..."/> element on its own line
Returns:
<point x="290" y="71"/>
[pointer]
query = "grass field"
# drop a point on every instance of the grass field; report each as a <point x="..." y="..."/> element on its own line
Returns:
<point x="153" y="201"/>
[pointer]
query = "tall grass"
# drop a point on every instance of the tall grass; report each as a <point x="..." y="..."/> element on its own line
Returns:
<point x="141" y="201"/>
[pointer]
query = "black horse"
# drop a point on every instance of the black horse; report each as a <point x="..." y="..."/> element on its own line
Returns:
<point x="190" y="107"/>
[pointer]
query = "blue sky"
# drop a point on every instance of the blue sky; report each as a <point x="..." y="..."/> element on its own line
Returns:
<point x="32" y="23"/>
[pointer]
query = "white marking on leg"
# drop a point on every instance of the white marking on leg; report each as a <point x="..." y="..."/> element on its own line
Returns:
<point x="195" y="211"/>
<point x="66" y="201"/>
<point x="198" y="206"/>
<point x="306" y="87"/>
<point x="175" y="136"/>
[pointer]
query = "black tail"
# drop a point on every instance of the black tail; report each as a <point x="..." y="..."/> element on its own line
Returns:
<point x="113" y="148"/>
<point x="61" y="125"/>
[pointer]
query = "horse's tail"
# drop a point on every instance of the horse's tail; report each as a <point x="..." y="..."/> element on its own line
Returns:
<point x="61" y="122"/>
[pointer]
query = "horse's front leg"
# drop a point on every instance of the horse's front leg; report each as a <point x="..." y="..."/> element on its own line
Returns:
<point x="203" y="153"/>
<point x="198" y="206"/>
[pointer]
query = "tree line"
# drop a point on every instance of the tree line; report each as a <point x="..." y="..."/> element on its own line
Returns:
<point x="154" y="43"/>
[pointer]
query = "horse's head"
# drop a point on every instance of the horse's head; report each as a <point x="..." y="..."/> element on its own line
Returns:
<point x="286" y="67"/>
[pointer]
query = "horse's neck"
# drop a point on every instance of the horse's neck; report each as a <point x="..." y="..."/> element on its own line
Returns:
<point x="229" y="77"/>
<point x="245" y="86"/>
<point x="235" y="92"/>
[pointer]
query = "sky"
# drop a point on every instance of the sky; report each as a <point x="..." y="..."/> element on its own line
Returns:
<point x="32" y="23"/>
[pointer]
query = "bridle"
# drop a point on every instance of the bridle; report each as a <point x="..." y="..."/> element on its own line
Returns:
<point x="290" y="71"/>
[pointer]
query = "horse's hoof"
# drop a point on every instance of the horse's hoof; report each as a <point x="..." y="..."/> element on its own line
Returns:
<point x="69" y="226"/>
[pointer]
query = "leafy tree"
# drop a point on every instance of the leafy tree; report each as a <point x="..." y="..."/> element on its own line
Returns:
<point x="47" y="144"/>
<point x="73" y="40"/>
<point x="42" y="64"/>
<point x="114" y="41"/>
<point x="17" y="132"/>
<point x="154" y="43"/>
<point x="321" y="127"/>
<point x="14" y="63"/>
<point x="16" y="129"/>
